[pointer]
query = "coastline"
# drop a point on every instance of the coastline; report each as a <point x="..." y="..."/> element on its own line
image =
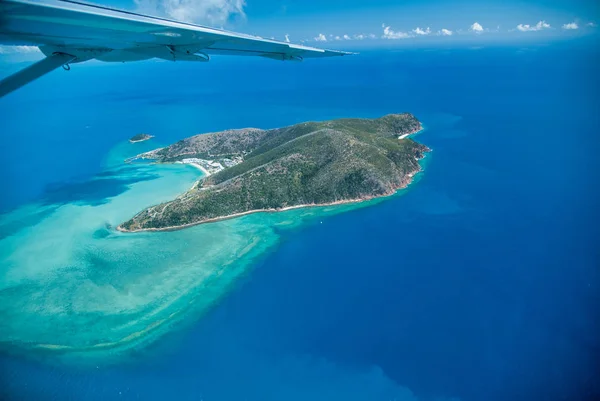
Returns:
<point x="199" y="167"/>
<point x="404" y="136"/>
<point x="410" y="176"/>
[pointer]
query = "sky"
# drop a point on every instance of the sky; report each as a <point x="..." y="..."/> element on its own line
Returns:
<point x="351" y="24"/>
<point x="356" y="20"/>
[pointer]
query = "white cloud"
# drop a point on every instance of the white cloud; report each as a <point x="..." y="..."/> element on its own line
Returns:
<point x="321" y="38"/>
<point x="388" y="33"/>
<point x="420" y="31"/>
<point x="287" y="38"/>
<point x="537" y="27"/>
<point x="213" y="12"/>
<point x="571" y="25"/>
<point x="358" y="36"/>
<point x="18" y="49"/>
<point x="476" y="27"/>
<point x="592" y="24"/>
<point x="445" y="32"/>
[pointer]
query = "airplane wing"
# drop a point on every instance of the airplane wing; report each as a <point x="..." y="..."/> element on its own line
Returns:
<point x="70" y="32"/>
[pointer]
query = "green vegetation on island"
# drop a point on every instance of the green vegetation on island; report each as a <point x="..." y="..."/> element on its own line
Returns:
<point x="313" y="163"/>
<point x="140" y="138"/>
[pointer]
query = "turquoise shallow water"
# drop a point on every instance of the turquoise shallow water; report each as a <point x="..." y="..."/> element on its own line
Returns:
<point x="74" y="286"/>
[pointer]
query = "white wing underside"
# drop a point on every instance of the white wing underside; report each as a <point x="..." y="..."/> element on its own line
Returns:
<point x="76" y="32"/>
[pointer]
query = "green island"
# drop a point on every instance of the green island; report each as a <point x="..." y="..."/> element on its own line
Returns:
<point x="308" y="164"/>
<point x="140" y="138"/>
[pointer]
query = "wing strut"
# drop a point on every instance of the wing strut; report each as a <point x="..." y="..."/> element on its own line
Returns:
<point x="33" y="72"/>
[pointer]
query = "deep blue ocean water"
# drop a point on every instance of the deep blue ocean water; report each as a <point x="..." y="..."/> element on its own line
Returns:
<point x="481" y="282"/>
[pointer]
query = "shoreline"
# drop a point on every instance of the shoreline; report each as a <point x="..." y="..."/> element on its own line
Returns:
<point x="199" y="167"/>
<point x="404" y="185"/>
<point x="404" y="136"/>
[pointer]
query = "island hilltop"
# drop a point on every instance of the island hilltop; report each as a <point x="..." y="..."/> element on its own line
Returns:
<point x="140" y="138"/>
<point x="313" y="163"/>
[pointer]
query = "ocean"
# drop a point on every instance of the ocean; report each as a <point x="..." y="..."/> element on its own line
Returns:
<point x="479" y="281"/>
